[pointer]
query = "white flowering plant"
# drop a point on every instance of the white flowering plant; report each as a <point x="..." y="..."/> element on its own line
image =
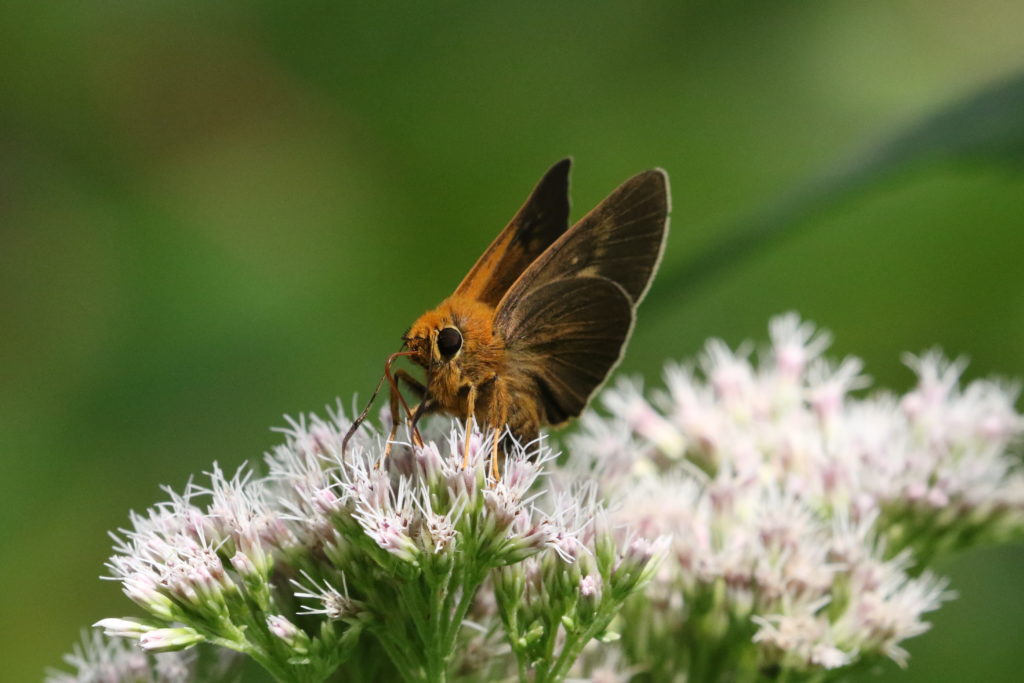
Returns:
<point x="753" y="520"/>
<point x="330" y="550"/>
<point x="803" y="519"/>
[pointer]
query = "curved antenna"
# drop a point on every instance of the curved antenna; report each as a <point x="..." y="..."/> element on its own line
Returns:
<point x="362" y="416"/>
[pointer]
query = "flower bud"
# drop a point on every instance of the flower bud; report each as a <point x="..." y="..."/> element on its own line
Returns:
<point x="590" y="598"/>
<point x="145" y="593"/>
<point x="124" y="628"/>
<point x="288" y="632"/>
<point x="169" y="639"/>
<point x="244" y="566"/>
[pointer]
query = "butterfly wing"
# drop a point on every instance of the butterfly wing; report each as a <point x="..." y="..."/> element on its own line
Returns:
<point x="543" y="218"/>
<point x="566" y="319"/>
<point x="566" y="335"/>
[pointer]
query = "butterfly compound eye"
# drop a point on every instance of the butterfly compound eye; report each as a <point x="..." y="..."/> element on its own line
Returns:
<point x="449" y="341"/>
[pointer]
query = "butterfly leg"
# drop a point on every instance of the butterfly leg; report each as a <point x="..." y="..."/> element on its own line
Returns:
<point x="425" y="407"/>
<point x="499" y="416"/>
<point x="395" y="399"/>
<point x="470" y="408"/>
<point x="420" y="390"/>
<point x="396" y="403"/>
<point x="393" y="403"/>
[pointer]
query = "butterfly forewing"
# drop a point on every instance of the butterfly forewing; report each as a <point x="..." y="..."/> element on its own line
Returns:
<point x="543" y="218"/>
<point x="621" y="239"/>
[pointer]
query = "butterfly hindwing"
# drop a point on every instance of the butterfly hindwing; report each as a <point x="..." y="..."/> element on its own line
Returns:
<point x="567" y="335"/>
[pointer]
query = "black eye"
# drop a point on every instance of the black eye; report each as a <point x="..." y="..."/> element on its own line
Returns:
<point x="449" y="341"/>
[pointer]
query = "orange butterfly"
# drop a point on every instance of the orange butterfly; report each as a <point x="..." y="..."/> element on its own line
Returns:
<point x="543" y="316"/>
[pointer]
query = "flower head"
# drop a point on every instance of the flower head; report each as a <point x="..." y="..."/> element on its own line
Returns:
<point x="797" y="509"/>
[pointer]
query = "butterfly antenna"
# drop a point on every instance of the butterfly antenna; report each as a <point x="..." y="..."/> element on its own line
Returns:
<point x="362" y="416"/>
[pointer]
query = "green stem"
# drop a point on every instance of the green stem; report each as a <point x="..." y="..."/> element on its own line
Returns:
<point x="414" y="606"/>
<point x="280" y="673"/>
<point x="439" y="592"/>
<point x="408" y="669"/>
<point x="574" y="643"/>
<point x="550" y="637"/>
<point x="470" y="583"/>
<point x="568" y="655"/>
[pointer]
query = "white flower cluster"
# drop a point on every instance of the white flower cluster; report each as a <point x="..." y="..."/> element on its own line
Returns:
<point x="796" y="521"/>
<point x="801" y="517"/>
<point x="331" y="548"/>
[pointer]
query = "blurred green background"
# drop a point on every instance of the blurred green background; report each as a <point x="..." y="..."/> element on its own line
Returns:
<point x="213" y="214"/>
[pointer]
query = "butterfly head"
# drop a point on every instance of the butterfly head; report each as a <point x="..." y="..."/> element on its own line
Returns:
<point x="443" y="336"/>
<point x="434" y="346"/>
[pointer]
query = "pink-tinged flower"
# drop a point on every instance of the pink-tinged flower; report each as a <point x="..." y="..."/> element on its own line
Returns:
<point x="629" y="405"/>
<point x="590" y="587"/>
<point x="795" y="344"/>
<point x="801" y="641"/>
<point x="590" y="590"/>
<point x="692" y="407"/>
<point x="638" y="562"/>
<point x="828" y="386"/>
<point x="729" y="372"/>
<point x="161" y="568"/>
<point x="437" y="533"/>
<point x="144" y="591"/>
<point x="244" y="565"/>
<point x="329" y="601"/>
<point x="288" y="633"/>
<point x="886" y="606"/>
<point x="429" y="462"/>
<point x="390" y="531"/>
<point x="528" y="535"/>
<point x="758" y="494"/>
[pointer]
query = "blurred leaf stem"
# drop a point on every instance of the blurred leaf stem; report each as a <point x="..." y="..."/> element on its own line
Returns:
<point x="987" y="127"/>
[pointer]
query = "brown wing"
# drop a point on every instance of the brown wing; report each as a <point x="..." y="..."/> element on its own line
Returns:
<point x="541" y="220"/>
<point x="621" y="239"/>
<point x="567" y="335"/>
<point x="598" y="271"/>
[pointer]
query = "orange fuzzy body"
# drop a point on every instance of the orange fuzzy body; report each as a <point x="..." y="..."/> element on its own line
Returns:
<point x="481" y="363"/>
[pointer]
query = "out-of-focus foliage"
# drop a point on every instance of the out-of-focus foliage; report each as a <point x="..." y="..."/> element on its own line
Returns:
<point x="215" y="213"/>
<point x="985" y="128"/>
